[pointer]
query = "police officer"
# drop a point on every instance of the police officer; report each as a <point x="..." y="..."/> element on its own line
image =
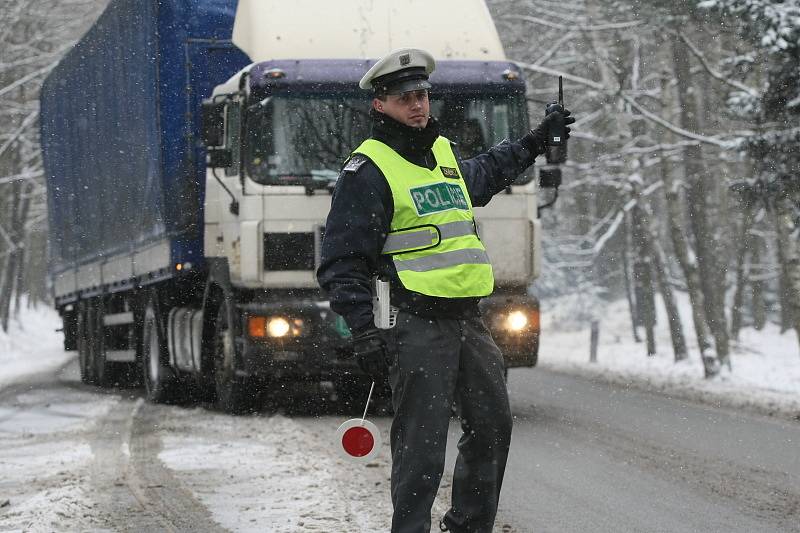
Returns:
<point x="390" y="218"/>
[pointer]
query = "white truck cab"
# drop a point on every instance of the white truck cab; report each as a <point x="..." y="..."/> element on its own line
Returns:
<point x="277" y="134"/>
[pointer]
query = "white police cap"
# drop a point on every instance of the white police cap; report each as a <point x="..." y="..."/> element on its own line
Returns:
<point x="400" y="71"/>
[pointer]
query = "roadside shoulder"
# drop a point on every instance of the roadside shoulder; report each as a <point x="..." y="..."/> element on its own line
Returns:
<point x="716" y="392"/>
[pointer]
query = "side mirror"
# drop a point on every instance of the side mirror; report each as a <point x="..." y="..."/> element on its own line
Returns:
<point x="550" y="178"/>
<point x="213" y="123"/>
<point x="218" y="157"/>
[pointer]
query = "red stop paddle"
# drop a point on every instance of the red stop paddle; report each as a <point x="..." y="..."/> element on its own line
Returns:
<point x="358" y="439"/>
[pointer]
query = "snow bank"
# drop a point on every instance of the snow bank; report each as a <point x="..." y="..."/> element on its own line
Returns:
<point x="765" y="370"/>
<point x="48" y="510"/>
<point x="31" y="345"/>
<point x="45" y="483"/>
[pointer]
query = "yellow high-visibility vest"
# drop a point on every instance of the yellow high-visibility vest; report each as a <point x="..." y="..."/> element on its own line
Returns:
<point x="433" y="242"/>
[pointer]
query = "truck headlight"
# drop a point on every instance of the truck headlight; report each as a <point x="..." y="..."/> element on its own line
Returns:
<point x="516" y="321"/>
<point x="260" y="327"/>
<point x="278" y="327"/>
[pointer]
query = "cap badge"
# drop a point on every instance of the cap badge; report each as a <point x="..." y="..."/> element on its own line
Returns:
<point x="405" y="59"/>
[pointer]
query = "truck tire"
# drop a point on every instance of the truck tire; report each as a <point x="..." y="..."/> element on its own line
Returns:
<point x="158" y="379"/>
<point x="69" y="320"/>
<point x="84" y="345"/>
<point x="233" y="393"/>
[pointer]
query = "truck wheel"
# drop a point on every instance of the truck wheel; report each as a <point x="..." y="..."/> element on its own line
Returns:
<point x="233" y="394"/>
<point x="157" y="377"/>
<point x="84" y="345"/>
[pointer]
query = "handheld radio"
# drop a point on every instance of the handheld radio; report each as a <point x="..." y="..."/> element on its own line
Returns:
<point x="556" y="152"/>
<point x="556" y="143"/>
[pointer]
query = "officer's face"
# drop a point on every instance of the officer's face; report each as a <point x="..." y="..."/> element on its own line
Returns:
<point x="412" y="108"/>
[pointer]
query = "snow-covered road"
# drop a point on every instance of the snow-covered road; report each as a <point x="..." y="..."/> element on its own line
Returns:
<point x="79" y="458"/>
<point x="607" y="451"/>
<point x="586" y="455"/>
<point x="592" y="456"/>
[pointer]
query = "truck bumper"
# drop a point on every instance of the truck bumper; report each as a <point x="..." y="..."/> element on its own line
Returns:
<point x="300" y="340"/>
<point x="314" y="337"/>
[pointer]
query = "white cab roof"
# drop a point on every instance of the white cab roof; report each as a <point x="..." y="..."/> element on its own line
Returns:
<point x="365" y="29"/>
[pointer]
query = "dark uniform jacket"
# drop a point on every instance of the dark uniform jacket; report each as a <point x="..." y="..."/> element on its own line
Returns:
<point x="361" y="214"/>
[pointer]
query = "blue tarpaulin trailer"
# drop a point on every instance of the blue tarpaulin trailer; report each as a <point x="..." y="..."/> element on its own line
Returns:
<point x="120" y="122"/>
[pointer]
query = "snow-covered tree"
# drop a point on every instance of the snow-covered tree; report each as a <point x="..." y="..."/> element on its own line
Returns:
<point x="672" y="102"/>
<point x="773" y="28"/>
<point x="34" y="35"/>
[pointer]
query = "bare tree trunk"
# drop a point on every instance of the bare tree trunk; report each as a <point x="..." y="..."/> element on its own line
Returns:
<point x="745" y="245"/>
<point x="36" y="267"/>
<point x="757" y="286"/>
<point x="628" y="271"/>
<point x="19" y="287"/>
<point x="783" y="281"/>
<point x="789" y="245"/>
<point x="10" y="274"/>
<point x="22" y="252"/>
<point x="670" y="305"/>
<point x="681" y="250"/>
<point x="643" y="276"/>
<point x="701" y="208"/>
<point x="5" y="297"/>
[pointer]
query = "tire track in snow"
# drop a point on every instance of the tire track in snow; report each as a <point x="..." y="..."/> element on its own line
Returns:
<point x="136" y="492"/>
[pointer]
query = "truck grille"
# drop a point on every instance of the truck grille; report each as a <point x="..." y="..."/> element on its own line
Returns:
<point x="289" y="251"/>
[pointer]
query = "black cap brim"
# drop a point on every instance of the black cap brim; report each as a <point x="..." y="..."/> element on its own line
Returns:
<point x="407" y="86"/>
<point x="402" y="81"/>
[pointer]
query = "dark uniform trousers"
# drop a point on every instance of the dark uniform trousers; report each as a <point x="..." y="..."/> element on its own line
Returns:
<point x="435" y="361"/>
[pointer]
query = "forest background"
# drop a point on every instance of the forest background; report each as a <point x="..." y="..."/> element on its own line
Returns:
<point x="683" y="175"/>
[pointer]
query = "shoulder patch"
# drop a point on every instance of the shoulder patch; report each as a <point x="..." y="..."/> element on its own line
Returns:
<point x="354" y="163"/>
<point x="450" y="172"/>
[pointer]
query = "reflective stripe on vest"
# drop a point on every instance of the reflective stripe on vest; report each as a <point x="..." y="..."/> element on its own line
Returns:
<point x="432" y="238"/>
<point x="414" y="239"/>
<point x="471" y="256"/>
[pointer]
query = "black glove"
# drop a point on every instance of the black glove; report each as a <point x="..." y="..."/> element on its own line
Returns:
<point x="536" y="139"/>
<point x="370" y="351"/>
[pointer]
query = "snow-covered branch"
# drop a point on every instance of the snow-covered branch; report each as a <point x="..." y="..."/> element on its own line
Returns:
<point x="554" y="48"/>
<point x="21" y="177"/>
<point x="648" y="114"/>
<point x="612" y="229"/>
<point x="673" y="128"/>
<point x="578" y="27"/>
<point x="15" y="135"/>
<point x="565" y="75"/>
<point x="661" y="147"/>
<point x="702" y="58"/>
<point x="6" y="237"/>
<point x="34" y="59"/>
<point x="25" y="79"/>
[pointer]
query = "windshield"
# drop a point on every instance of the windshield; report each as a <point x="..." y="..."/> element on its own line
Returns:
<point x="305" y="140"/>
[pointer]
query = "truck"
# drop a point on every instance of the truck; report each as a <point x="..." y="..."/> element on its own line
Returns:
<point x="190" y="150"/>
